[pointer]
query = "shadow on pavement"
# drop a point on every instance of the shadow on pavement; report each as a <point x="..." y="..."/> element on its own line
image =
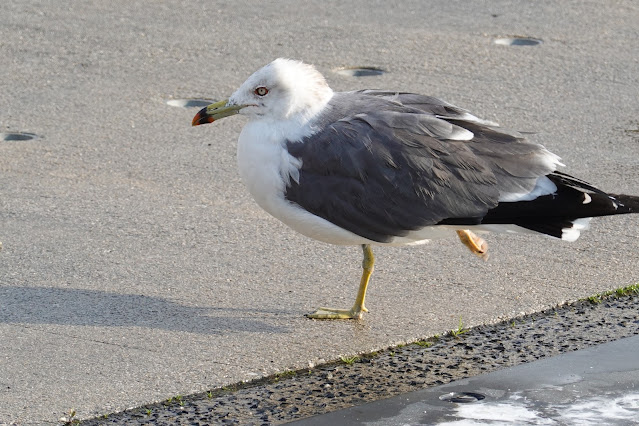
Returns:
<point x="38" y="305"/>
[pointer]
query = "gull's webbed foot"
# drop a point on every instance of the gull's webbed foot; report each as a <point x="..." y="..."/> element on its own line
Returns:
<point x="331" y="313"/>
<point x="358" y="307"/>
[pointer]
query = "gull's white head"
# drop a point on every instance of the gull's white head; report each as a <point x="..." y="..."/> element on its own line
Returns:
<point x="284" y="89"/>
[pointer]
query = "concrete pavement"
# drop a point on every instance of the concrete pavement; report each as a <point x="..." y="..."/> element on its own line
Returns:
<point x="134" y="265"/>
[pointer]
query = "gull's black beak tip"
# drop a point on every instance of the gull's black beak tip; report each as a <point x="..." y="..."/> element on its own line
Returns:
<point x="202" y="117"/>
<point x="215" y="111"/>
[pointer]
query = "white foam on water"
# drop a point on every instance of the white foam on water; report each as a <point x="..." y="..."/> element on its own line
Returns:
<point x="519" y="410"/>
<point x="497" y="413"/>
<point x="601" y="410"/>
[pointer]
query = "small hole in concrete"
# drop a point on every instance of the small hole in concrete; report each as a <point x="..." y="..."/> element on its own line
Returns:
<point x="518" y="41"/>
<point x="462" y="397"/>
<point x="359" y="71"/>
<point x="189" y="103"/>
<point x="17" y="136"/>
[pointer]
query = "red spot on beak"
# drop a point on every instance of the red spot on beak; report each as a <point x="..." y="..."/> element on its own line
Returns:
<point x="202" y="117"/>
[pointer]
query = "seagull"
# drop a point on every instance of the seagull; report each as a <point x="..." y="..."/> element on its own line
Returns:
<point x="374" y="167"/>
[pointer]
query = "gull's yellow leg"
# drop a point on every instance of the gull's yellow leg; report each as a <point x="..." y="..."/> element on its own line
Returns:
<point x="474" y="243"/>
<point x="358" y="308"/>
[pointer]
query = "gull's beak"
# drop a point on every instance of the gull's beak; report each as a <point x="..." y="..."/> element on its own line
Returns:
<point x="215" y="111"/>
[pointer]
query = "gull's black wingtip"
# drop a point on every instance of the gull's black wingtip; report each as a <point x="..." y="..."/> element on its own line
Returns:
<point x="629" y="202"/>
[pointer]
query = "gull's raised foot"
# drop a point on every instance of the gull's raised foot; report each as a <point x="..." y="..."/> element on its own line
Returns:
<point x="331" y="313"/>
<point x="475" y="243"/>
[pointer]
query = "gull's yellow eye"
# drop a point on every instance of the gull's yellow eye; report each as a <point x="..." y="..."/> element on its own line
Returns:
<point x="261" y="91"/>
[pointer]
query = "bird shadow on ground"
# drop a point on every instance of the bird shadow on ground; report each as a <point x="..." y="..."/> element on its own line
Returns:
<point x="45" y="305"/>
